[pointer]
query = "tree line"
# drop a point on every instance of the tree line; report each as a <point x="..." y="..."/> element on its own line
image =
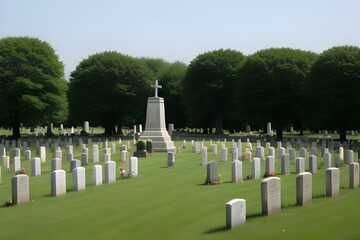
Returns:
<point x="220" y="89"/>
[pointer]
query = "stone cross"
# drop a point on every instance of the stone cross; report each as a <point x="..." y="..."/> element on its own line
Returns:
<point x="156" y="86"/>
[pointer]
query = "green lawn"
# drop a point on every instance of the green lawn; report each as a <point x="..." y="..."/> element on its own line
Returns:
<point x="174" y="203"/>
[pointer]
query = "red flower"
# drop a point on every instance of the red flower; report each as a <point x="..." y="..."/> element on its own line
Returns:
<point x="23" y="170"/>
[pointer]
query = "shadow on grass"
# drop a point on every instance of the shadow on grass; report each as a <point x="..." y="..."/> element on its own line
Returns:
<point x="217" y="230"/>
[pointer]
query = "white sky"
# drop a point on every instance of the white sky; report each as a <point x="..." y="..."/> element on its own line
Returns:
<point x="182" y="29"/>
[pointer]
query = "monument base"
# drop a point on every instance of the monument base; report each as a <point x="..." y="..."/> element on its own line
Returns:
<point x="161" y="140"/>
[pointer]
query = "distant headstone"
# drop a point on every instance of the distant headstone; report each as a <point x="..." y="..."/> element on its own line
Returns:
<point x="74" y="164"/>
<point x="282" y="151"/>
<point x="269" y="132"/>
<point x="354" y="175"/>
<point x="285" y="164"/>
<point x="58" y="183"/>
<point x="303" y="152"/>
<point x="327" y="160"/>
<point x="171" y="159"/>
<point x="97" y="175"/>
<point x="239" y="146"/>
<point x="20" y="189"/>
<point x="124" y="156"/>
<point x="214" y="149"/>
<point x="171" y="129"/>
<point x="341" y="153"/>
<point x="86" y="127"/>
<point x="84" y="159"/>
<point x="292" y="154"/>
<point x="235" y="154"/>
<point x="110" y="172"/>
<point x="95" y="153"/>
<point x="255" y="168"/>
<point x="270" y="165"/>
<point x="56" y="164"/>
<point x="237" y="172"/>
<point x="224" y="154"/>
<point x="6" y="161"/>
<point x="204" y="156"/>
<point x="78" y="178"/>
<point x="313" y="164"/>
<point x="36" y="166"/>
<point x="235" y="213"/>
<point x="42" y="151"/>
<point x="332" y="182"/>
<point x="27" y="155"/>
<point x="107" y="157"/>
<point x="349" y="157"/>
<point x="133" y="166"/>
<point x="17" y="164"/>
<point x="303" y="188"/>
<point x="212" y="175"/>
<point x="300" y="165"/>
<point x="271" y="151"/>
<point x="271" y="195"/>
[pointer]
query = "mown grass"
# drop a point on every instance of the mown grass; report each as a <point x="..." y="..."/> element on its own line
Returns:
<point x="174" y="203"/>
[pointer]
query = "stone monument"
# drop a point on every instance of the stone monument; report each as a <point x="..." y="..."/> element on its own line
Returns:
<point x="155" y="129"/>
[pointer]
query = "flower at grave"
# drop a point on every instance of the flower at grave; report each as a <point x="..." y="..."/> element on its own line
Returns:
<point x="23" y="170"/>
<point x="8" y="203"/>
<point x="249" y="177"/>
<point x="122" y="172"/>
<point x="272" y="174"/>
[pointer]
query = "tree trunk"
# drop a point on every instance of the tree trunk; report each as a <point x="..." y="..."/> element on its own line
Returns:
<point x="342" y="135"/>
<point x="16" y="130"/>
<point x="218" y="125"/>
<point x="109" y="129"/>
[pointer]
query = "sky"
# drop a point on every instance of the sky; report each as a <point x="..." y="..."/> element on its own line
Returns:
<point x="180" y="30"/>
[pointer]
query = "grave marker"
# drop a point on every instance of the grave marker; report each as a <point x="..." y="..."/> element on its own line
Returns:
<point x="20" y="189"/>
<point x="271" y="195"/>
<point x="58" y="183"/>
<point x="235" y="213"/>
<point x="303" y="188"/>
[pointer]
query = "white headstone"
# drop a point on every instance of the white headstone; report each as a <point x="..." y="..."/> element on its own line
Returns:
<point x="303" y="188"/>
<point x="271" y="195"/>
<point x="349" y="157"/>
<point x="332" y="182"/>
<point x="133" y="166"/>
<point x="235" y="154"/>
<point x="270" y="165"/>
<point x="20" y="189"/>
<point x="300" y="165"/>
<point x="124" y="155"/>
<point x="255" y="168"/>
<point x="224" y="154"/>
<point x="235" y="213"/>
<point x="42" y="154"/>
<point x="95" y="153"/>
<point x="313" y="164"/>
<point x="110" y="172"/>
<point x="78" y="178"/>
<point x="74" y="164"/>
<point x="27" y="155"/>
<point x="97" y="175"/>
<point x="56" y="164"/>
<point x="36" y="166"/>
<point x="107" y="157"/>
<point x="327" y="160"/>
<point x="237" y="172"/>
<point x="212" y="175"/>
<point x="17" y="163"/>
<point x="354" y="175"/>
<point x="171" y="158"/>
<point x="204" y="156"/>
<point x="58" y="183"/>
<point x="285" y="164"/>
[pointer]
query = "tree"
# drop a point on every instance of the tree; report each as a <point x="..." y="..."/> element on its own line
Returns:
<point x="33" y="88"/>
<point x="272" y="85"/>
<point x="109" y="89"/>
<point x="210" y="87"/>
<point x="332" y="90"/>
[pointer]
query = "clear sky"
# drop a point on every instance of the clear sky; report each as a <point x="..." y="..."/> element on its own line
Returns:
<point x="182" y="29"/>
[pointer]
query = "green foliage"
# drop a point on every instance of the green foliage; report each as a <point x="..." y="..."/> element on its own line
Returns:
<point x="332" y="90"/>
<point x="272" y="86"/>
<point x="140" y="146"/>
<point x="209" y="88"/>
<point x="109" y="89"/>
<point x="33" y="88"/>
<point x="149" y="146"/>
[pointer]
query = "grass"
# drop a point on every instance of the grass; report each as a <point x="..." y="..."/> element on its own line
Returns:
<point x="174" y="203"/>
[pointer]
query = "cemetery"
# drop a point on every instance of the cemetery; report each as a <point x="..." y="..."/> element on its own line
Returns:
<point x="177" y="200"/>
<point x="220" y="178"/>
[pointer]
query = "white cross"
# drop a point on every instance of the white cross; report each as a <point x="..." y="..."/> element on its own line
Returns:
<point x="156" y="86"/>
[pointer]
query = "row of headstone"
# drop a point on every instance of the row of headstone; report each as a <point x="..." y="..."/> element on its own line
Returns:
<point x="271" y="194"/>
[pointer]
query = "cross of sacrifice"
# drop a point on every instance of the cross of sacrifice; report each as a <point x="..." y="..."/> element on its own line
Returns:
<point x="156" y="86"/>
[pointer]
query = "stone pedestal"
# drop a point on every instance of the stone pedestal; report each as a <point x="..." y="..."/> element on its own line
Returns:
<point x="155" y="129"/>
